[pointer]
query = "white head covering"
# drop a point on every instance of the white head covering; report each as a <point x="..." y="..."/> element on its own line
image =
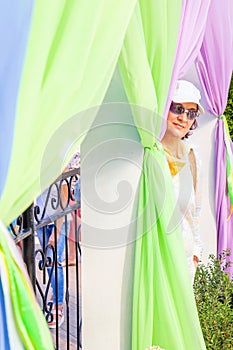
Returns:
<point x="187" y="92"/>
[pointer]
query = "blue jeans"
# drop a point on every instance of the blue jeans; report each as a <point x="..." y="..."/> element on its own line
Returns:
<point x="60" y="251"/>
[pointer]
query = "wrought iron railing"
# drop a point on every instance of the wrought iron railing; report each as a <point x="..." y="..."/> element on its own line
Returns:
<point x="42" y="260"/>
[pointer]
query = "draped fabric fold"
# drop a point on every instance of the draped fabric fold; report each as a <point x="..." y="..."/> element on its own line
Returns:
<point x="24" y="322"/>
<point x="222" y="200"/>
<point x="4" y="338"/>
<point x="69" y="62"/>
<point x="62" y="67"/>
<point x="164" y="310"/>
<point x="14" y="32"/>
<point x="214" y="66"/>
<point x="146" y="62"/>
<point x="190" y="38"/>
<point x="57" y="61"/>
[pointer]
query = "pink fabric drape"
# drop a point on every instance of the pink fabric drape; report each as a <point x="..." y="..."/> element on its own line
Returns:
<point x="214" y="66"/>
<point x="191" y="32"/>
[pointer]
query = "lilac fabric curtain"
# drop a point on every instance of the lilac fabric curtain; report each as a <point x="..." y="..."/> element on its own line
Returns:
<point x="214" y="65"/>
<point x="191" y="33"/>
<point x="222" y="201"/>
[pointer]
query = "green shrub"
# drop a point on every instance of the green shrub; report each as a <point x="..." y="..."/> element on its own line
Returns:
<point x="229" y="109"/>
<point x="213" y="291"/>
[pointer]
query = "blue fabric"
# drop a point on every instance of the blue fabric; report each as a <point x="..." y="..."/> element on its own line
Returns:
<point x="4" y="338"/>
<point x="15" y="18"/>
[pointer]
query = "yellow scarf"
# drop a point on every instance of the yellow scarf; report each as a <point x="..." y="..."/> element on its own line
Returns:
<point x="175" y="164"/>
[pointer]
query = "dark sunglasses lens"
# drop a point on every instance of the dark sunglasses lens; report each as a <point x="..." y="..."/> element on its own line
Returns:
<point x="192" y="114"/>
<point x="177" y="108"/>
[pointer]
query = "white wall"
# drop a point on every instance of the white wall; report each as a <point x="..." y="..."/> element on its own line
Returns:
<point x="111" y="160"/>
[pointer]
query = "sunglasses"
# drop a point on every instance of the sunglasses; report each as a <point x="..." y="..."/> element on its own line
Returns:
<point x="178" y="109"/>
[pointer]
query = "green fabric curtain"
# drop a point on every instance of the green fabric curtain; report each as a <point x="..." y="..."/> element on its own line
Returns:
<point x="146" y="62"/>
<point x="164" y="310"/>
<point x="69" y="63"/>
<point x="27" y="327"/>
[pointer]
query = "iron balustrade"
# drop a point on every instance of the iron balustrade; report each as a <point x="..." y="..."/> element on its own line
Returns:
<point x="41" y="258"/>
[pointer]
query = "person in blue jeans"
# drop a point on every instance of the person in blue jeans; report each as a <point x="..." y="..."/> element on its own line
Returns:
<point x="49" y="230"/>
<point x="46" y="233"/>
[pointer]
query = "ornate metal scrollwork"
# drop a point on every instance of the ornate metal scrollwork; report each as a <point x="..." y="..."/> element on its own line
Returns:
<point x="57" y="198"/>
<point x="58" y="202"/>
<point x="44" y="262"/>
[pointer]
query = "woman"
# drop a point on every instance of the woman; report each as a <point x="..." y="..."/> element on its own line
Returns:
<point x="182" y="117"/>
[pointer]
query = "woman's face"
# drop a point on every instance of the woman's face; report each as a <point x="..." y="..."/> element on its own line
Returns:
<point x="179" y="124"/>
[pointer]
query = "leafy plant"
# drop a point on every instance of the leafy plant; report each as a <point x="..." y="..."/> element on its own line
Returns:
<point x="229" y="109"/>
<point x="213" y="291"/>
